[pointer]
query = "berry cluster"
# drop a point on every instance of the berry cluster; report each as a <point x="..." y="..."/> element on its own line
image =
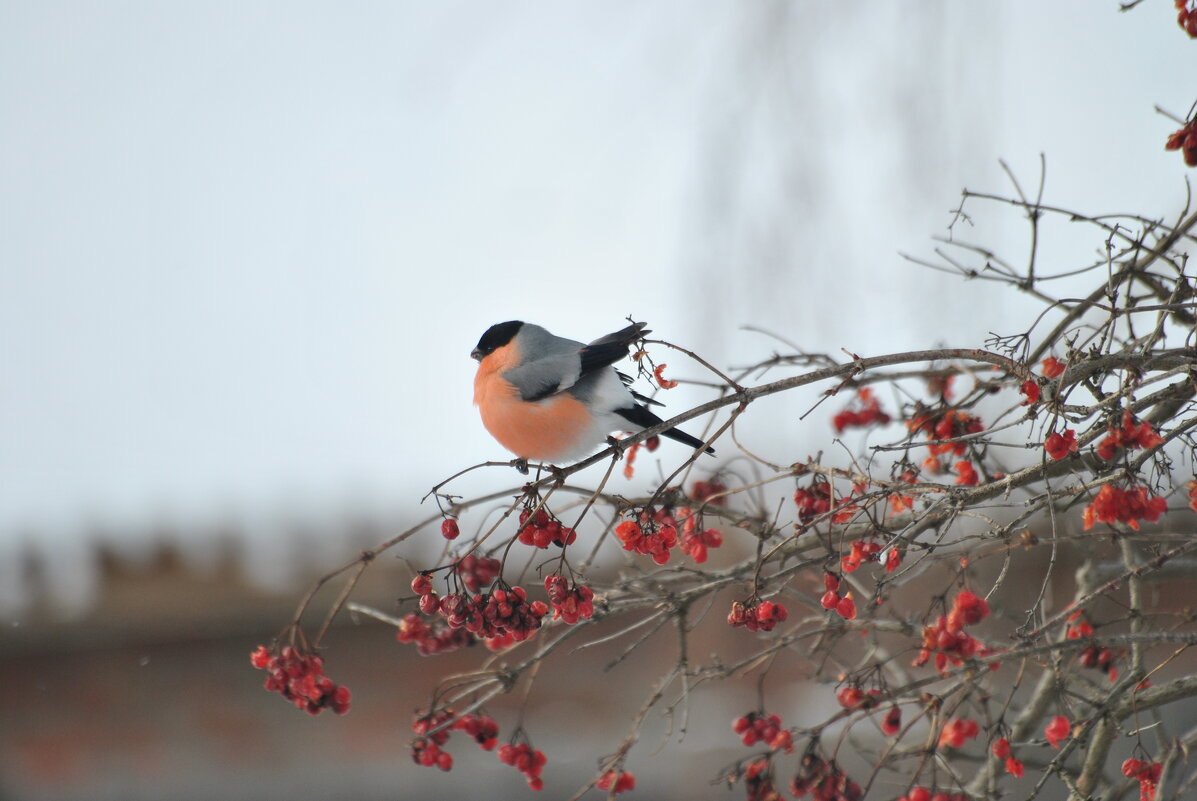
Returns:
<point x="526" y="760"/>
<point x="570" y="604"/>
<point x="1030" y="388"/>
<point x="758" y="781"/>
<point x="1052" y="367"/>
<point x="662" y="381"/>
<point x="947" y="639"/>
<point x="1093" y="656"/>
<point x="844" y="606"/>
<point x="1001" y="750"/>
<point x="430" y="640"/>
<point x="1114" y="505"/>
<point x="705" y="492"/>
<point x="299" y="677"/>
<point x="1128" y="435"/>
<point x="651" y="539"/>
<point x="477" y="572"/>
<point x="853" y="697"/>
<point x="860" y="552"/>
<point x="1148" y="774"/>
<point x="813" y="500"/>
<point x="1060" y="445"/>
<point x="824" y="781"/>
<point x="867" y="412"/>
<point x="498" y="613"/>
<point x="544" y="530"/>
<point x="966" y="474"/>
<point x="696" y="543"/>
<point x="756" y="615"/>
<point x="1059" y="730"/>
<point x="1100" y="658"/>
<point x="923" y="794"/>
<point x="891" y="724"/>
<point x="957" y="731"/>
<point x="1185" y="139"/>
<point x="426" y="748"/>
<point x="617" y="781"/>
<point x="948" y="424"/>
<point x="757" y="727"/>
<point x="483" y="728"/>
<point x="1187" y="19"/>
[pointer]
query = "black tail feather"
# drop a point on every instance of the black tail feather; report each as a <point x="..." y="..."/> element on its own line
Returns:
<point x="643" y="418"/>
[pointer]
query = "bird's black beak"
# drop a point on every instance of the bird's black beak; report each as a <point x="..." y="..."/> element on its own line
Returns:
<point x="476" y="355"/>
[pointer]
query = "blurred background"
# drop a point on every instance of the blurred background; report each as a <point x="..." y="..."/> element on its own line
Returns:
<point x="246" y="248"/>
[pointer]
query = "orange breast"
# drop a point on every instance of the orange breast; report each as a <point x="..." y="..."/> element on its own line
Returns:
<point x="545" y="430"/>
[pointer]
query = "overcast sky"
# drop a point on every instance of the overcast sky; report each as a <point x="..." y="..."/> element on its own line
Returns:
<point x="246" y="247"/>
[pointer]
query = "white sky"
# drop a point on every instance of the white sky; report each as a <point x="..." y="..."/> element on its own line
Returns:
<point x="245" y="248"/>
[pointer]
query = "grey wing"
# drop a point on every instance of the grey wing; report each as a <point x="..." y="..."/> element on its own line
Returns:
<point x="550" y="364"/>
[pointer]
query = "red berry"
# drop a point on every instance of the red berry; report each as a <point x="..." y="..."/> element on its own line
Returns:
<point x="449" y="529"/>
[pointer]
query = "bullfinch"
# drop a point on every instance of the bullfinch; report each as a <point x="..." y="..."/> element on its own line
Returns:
<point x="554" y="400"/>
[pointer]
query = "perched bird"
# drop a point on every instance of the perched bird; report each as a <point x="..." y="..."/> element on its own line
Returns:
<point x="554" y="400"/>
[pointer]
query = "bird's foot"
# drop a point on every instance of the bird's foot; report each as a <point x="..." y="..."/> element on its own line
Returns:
<point x="521" y="466"/>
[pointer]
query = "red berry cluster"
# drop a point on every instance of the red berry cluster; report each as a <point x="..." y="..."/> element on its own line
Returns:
<point x="1030" y="388"/>
<point x="956" y="731"/>
<point x="844" y="606"/>
<point x="1148" y="774"/>
<point x="853" y="697"/>
<point x="891" y="724"/>
<point x="948" y="424"/>
<point x="867" y="412"/>
<point x="824" y="781"/>
<point x="429" y="640"/>
<point x="757" y="727"/>
<point x="1059" y="730"/>
<point x="859" y="552"/>
<point x="662" y="381"/>
<point x="758" y="781"/>
<point x="1114" y="505"/>
<point x="697" y="543"/>
<point x="705" y="492"/>
<point x="694" y="541"/>
<point x="426" y="748"/>
<point x="498" y="613"/>
<point x="1100" y="658"/>
<point x="476" y="571"/>
<point x="1060" y="445"/>
<point x="299" y="677"/>
<point x="1052" y="367"/>
<point x="570" y="604"/>
<point x="1001" y="750"/>
<point x="923" y="794"/>
<point x="947" y="639"/>
<point x="1185" y="139"/>
<point x="1128" y="435"/>
<point x="483" y="728"/>
<point x="527" y="761"/>
<point x="813" y="500"/>
<point x="966" y="474"/>
<point x="756" y="615"/>
<point x="650" y="539"/>
<point x="544" y="530"/>
<point x="1192" y="494"/>
<point x="617" y="781"/>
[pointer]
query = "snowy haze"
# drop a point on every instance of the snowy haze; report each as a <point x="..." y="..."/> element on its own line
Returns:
<point x="246" y="248"/>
